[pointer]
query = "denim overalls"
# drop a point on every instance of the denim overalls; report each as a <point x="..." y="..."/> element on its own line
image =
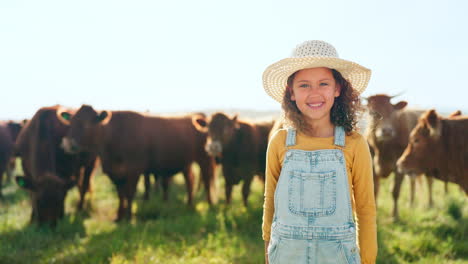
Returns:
<point x="313" y="220"/>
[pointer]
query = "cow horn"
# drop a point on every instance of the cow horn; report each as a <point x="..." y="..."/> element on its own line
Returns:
<point x="398" y="94"/>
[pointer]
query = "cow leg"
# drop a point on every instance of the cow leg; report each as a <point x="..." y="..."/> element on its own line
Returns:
<point x="122" y="203"/>
<point x="228" y="182"/>
<point x="11" y="169"/>
<point x="157" y="183"/>
<point x="208" y="176"/>
<point x="9" y="174"/>
<point x="228" y="192"/>
<point x="61" y="214"/>
<point x="188" y="175"/>
<point x="430" y="180"/>
<point x="376" y="187"/>
<point x="3" y="167"/>
<point x="1" y="183"/>
<point x="246" y="189"/>
<point x="396" y="193"/>
<point x="147" y="176"/>
<point x="85" y="184"/>
<point x="165" y="185"/>
<point x="412" y="190"/>
<point x="130" y="191"/>
<point x="34" y="214"/>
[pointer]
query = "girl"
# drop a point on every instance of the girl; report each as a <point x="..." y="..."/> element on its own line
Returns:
<point x="319" y="170"/>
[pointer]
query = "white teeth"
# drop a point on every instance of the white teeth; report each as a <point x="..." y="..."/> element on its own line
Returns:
<point x="315" y="105"/>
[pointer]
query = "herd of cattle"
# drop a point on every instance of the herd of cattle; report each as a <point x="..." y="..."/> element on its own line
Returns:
<point x="59" y="149"/>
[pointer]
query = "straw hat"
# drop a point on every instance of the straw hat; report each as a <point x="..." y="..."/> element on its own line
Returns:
<point x="312" y="54"/>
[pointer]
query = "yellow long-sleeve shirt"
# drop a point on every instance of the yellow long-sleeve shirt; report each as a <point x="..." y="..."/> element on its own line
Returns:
<point x="359" y="170"/>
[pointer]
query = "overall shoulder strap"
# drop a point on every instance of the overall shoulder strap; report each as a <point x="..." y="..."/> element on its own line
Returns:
<point x="340" y="136"/>
<point x="291" y="137"/>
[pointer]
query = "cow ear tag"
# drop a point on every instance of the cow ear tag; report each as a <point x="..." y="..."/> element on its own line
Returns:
<point x="66" y="116"/>
<point x="21" y="182"/>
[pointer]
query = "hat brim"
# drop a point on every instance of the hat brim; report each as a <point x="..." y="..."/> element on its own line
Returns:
<point x="276" y="75"/>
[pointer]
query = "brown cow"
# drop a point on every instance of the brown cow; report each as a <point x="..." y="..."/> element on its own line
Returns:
<point x="239" y="146"/>
<point x="8" y="134"/>
<point x="439" y="145"/>
<point x="388" y="131"/>
<point x="130" y="144"/>
<point x="48" y="171"/>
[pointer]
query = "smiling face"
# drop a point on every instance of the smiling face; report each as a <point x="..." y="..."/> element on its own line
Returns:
<point x="314" y="91"/>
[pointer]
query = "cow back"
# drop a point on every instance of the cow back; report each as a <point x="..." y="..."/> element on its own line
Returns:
<point x="405" y="121"/>
<point x="151" y="142"/>
<point x="453" y="149"/>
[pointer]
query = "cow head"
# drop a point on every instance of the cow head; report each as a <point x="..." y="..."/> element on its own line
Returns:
<point x="417" y="158"/>
<point x="382" y="116"/>
<point x="48" y="197"/>
<point x="14" y="128"/>
<point x="84" y="128"/>
<point x="220" y="129"/>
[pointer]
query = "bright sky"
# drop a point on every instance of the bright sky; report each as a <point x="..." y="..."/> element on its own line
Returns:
<point x="187" y="55"/>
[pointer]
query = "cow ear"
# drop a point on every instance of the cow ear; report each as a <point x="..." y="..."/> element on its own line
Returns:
<point x="25" y="183"/>
<point x="104" y="117"/>
<point x="433" y="123"/>
<point x="66" y="116"/>
<point x="234" y="120"/>
<point x="63" y="116"/>
<point x="200" y="123"/>
<point x="400" y="105"/>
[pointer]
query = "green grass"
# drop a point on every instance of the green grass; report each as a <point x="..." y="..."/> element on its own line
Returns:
<point x="172" y="232"/>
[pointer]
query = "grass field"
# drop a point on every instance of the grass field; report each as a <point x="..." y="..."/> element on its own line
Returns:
<point x="174" y="233"/>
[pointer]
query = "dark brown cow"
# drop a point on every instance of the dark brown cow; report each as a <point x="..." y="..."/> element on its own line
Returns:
<point x="388" y="131"/>
<point x="130" y="144"/>
<point x="8" y="133"/>
<point x="48" y="171"/>
<point x="240" y="147"/>
<point x="439" y="145"/>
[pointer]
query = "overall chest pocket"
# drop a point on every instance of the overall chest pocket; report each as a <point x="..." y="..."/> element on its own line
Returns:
<point x="312" y="193"/>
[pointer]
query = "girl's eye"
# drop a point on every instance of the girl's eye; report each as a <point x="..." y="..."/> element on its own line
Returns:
<point x="323" y="84"/>
<point x="304" y="86"/>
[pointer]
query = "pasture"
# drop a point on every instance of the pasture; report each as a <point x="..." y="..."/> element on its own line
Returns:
<point x="174" y="233"/>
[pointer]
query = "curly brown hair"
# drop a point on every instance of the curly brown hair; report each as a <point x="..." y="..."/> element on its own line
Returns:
<point x="344" y="112"/>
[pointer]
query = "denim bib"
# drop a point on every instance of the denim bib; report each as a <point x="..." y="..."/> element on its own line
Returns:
<point x="313" y="219"/>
